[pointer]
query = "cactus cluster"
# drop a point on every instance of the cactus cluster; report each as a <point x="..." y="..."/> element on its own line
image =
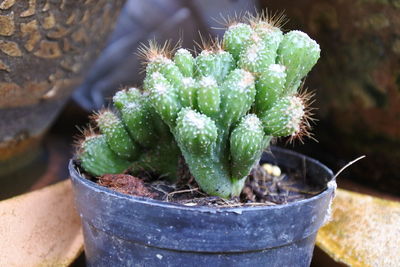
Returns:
<point x="219" y="109"/>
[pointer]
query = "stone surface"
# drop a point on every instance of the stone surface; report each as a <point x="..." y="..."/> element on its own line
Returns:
<point x="363" y="231"/>
<point x="6" y="4"/>
<point x="45" y="47"/>
<point x="7" y="24"/>
<point x="10" y="48"/>
<point x="33" y="35"/>
<point x="41" y="228"/>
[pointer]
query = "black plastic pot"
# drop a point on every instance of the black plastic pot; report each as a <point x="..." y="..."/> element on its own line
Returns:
<point x="122" y="230"/>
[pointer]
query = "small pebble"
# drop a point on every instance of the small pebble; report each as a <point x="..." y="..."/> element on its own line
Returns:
<point x="276" y="171"/>
<point x="267" y="167"/>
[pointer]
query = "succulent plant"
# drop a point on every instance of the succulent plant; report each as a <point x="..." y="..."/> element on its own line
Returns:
<point x="219" y="109"/>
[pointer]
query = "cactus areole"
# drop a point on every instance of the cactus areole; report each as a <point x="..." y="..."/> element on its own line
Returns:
<point x="219" y="110"/>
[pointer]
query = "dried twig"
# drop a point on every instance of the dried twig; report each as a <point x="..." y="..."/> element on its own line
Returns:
<point x="347" y="165"/>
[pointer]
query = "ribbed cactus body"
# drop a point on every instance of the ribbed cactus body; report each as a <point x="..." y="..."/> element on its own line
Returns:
<point x="136" y="114"/>
<point x="260" y="50"/>
<point x="188" y="93"/>
<point x="124" y="97"/>
<point x="270" y="86"/>
<point x="185" y="62"/>
<point x="246" y="144"/>
<point x="164" y="98"/>
<point x="97" y="158"/>
<point x="196" y="132"/>
<point x="168" y="69"/>
<point x="116" y="135"/>
<point x="219" y="110"/>
<point x="237" y="96"/>
<point x="215" y="64"/>
<point x="208" y="96"/>
<point x="298" y="53"/>
<point x="161" y="160"/>
<point x="235" y="38"/>
<point x="284" y="117"/>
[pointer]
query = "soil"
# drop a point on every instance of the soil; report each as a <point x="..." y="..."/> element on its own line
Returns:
<point x="266" y="185"/>
<point x="126" y="184"/>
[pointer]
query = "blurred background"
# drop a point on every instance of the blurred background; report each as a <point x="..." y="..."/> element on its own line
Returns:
<point x="356" y="81"/>
<point x="61" y="61"/>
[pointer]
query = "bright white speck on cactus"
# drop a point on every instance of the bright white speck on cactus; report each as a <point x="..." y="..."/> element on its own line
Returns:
<point x="160" y="88"/>
<point x="188" y="81"/>
<point x="182" y="51"/>
<point x="208" y="81"/>
<point x="195" y="119"/>
<point x="251" y="54"/>
<point x="277" y="68"/>
<point x="219" y="109"/>
<point x="132" y="106"/>
<point x="247" y="80"/>
<point x="252" y="122"/>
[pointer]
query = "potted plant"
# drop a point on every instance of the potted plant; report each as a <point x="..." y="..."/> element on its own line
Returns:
<point x="218" y="111"/>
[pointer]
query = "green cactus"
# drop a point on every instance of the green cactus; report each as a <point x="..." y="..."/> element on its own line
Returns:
<point x="134" y="137"/>
<point x="298" y="53"/>
<point x="218" y="110"/>
<point x="98" y="158"/>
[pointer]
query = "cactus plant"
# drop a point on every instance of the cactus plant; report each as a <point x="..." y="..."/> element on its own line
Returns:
<point x="219" y="110"/>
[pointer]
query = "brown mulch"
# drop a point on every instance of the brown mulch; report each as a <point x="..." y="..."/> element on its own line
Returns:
<point x="126" y="184"/>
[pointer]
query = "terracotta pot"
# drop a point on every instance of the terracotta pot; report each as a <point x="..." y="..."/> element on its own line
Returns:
<point x="357" y="82"/>
<point x="45" y="46"/>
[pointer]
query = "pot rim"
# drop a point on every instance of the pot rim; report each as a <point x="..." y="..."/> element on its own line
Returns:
<point x="330" y="187"/>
